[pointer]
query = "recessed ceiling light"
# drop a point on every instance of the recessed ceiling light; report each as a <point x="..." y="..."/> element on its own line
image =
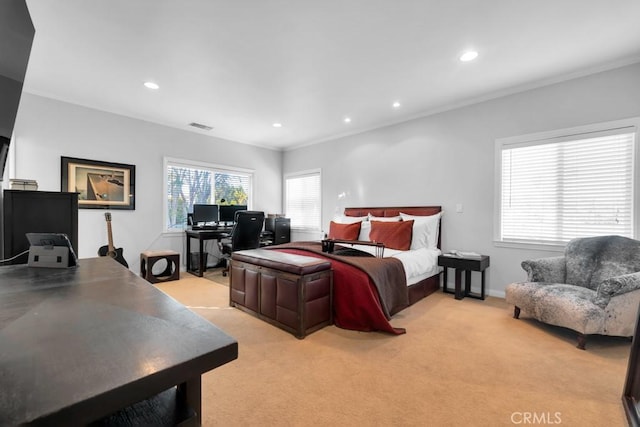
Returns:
<point x="469" y="55"/>
<point x="151" y="85"/>
<point x="347" y="119"/>
<point x="277" y="125"/>
<point x="396" y="104"/>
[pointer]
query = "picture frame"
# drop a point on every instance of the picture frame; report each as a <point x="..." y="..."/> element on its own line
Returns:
<point x="100" y="185"/>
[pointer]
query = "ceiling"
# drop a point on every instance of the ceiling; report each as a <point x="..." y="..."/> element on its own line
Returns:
<point x="240" y="66"/>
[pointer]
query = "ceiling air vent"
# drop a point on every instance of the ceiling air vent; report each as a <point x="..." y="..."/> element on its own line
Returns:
<point x="200" y="126"/>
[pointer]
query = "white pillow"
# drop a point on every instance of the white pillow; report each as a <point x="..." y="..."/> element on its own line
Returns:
<point x="425" y="230"/>
<point x="343" y="219"/>
<point x="384" y="218"/>
<point x="365" y="229"/>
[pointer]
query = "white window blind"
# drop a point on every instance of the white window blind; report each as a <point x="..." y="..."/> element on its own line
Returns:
<point x="190" y="183"/>
<point x="566" y="187"/>
<point x="302" y="200"/>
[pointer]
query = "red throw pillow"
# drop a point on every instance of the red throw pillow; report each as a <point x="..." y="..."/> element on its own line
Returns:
<point x="394" y="235"/>
<point x="344" y="231"/>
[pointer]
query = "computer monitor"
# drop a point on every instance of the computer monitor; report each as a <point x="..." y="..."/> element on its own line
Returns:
<point x="228" y="212"/>
<point x="205" y="214"/>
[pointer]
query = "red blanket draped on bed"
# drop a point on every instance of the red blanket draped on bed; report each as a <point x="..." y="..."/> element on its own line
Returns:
<point x="356" y="304"/>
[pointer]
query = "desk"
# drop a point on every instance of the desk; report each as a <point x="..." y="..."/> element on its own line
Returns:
<point x="467" y="265"/>
<point x="202" y="236"/>
<point x="79" y="344"/>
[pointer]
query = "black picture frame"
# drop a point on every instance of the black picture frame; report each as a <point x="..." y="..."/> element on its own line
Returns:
<point x="100" y="185"/>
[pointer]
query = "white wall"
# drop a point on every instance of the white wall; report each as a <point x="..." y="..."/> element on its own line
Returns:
<point x="448" y="159"/>
<point x="47" y="129"/>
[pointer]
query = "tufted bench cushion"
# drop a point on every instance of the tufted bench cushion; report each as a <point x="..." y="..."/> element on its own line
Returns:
<point x="290" y="263"/>
<point x="293" y="292"/>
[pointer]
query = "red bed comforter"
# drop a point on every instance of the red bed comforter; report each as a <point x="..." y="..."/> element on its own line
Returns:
<point x="356" y="298"/>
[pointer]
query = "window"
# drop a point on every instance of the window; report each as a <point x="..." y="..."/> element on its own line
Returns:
<point x="561" y="185"/>
<point x="189" y="183"/>
<point x="302" y="200"/>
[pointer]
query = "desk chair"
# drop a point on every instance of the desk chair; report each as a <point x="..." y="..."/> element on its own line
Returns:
<point x="244" y="235"/>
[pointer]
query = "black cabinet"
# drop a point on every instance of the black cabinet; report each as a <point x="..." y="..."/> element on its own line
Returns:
<point x="37" y="212"/>
<point x="280" y="227"/>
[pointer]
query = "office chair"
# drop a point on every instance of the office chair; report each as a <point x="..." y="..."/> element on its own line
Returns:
<point x="245" y="234"/>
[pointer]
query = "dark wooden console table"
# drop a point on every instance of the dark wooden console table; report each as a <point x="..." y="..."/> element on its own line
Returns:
<point x="467" y="265"/>
<point x="88" y="342"/>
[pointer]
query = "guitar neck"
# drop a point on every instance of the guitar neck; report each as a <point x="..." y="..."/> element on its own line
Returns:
<point x="110" y="237"/>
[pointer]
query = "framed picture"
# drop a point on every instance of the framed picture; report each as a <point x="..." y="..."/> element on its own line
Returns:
<point x="101" y="185"/>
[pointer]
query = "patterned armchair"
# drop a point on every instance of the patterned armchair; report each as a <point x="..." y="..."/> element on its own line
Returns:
<point x="593" y="289"/>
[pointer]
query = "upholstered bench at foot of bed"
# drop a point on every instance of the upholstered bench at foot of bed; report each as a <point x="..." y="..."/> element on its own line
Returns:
<point x="293" y="292"/>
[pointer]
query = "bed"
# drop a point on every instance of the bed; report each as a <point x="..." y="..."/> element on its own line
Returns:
<point x="368" y="291"/>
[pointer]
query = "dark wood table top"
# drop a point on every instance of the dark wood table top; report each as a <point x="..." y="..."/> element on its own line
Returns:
<point x="81" y="343"/>
<point x="219" y="233"/>
<point x="476" y="263"/>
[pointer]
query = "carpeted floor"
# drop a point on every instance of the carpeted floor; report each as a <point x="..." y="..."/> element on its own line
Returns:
<point x="461" y="363"/>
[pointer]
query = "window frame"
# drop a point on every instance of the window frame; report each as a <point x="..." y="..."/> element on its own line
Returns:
<point x="574" y="133"/>
<point x="300" y="174"/>
<point x="194" y="164"/>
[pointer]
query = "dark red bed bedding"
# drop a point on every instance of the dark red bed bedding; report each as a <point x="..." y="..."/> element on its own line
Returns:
<point x="356" y="299"/>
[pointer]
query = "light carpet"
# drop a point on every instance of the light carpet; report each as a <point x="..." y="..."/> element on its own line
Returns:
<point x="461" y="363"/>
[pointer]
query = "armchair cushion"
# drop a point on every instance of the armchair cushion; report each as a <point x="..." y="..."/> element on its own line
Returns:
<point x="558" y="304"/>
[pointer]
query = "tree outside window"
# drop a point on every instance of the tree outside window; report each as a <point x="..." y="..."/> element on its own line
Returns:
<point x="188" y="185"/>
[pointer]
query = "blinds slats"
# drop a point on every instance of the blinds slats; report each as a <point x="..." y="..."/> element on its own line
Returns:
<point x="568" y="188"/>
<point x="303" y="201"/>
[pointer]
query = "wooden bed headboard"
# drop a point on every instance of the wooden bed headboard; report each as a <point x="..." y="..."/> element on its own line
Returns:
<point x="393" y="211"/>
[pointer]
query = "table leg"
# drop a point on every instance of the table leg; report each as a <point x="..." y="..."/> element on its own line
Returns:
<point x="459" y="294"/>
<point x="482" y="288"/>
<point x="190" y="395"/>
<point x="188" y="254"/>
<point x="444" y="283"/>
<point x="202" y="264"/>
<point x="467" y="282"/>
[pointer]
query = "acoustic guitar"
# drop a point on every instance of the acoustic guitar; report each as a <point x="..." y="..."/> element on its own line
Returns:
<point x="109" y="250"/>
